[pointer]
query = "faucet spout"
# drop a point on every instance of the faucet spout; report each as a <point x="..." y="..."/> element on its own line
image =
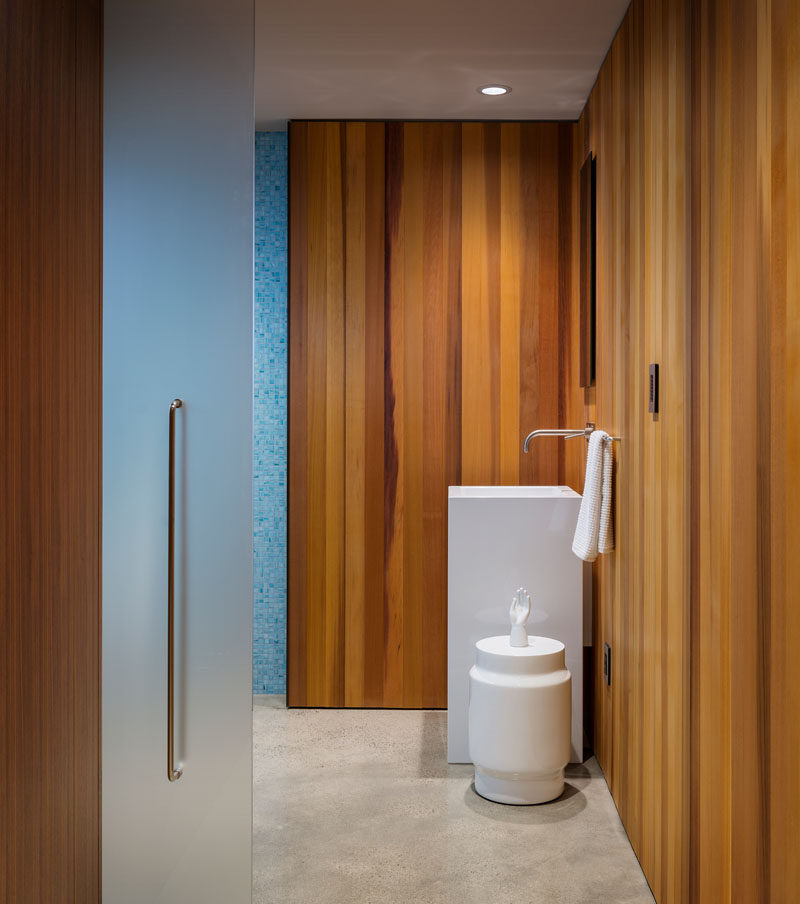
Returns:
<point x="566" y="434"/>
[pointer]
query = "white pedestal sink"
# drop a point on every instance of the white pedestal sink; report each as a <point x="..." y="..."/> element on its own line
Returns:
<point x="501" y="538"/>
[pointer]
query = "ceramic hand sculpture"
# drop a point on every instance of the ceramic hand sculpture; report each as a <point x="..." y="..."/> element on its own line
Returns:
<point x="518" y="613"/>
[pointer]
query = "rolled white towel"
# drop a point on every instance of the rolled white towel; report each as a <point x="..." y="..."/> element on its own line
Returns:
<point x="593" y="532"/>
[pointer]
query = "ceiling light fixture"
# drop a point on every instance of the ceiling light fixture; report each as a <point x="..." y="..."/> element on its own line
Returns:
<point x="494" y="90"/>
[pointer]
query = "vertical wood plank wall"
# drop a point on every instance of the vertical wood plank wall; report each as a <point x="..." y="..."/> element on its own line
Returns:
<point x="697" y="140"/>
<point x="636" y="123"/>
<point x="50" y="372"/>
<point x="746" y="392"/>
<point x="430" y="288"/>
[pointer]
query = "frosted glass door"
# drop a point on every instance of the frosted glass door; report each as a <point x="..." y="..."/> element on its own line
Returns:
<point x="178" y="176"/>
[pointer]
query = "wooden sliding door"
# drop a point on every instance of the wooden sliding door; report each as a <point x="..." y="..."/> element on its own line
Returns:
<point x="424" y="343"/>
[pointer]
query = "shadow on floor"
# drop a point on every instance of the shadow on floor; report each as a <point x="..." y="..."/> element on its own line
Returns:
<point x="569" y="805"/>
<point x="433" y="763"/>
<point x="433" y="745"/>
<point x="577" y="770"/>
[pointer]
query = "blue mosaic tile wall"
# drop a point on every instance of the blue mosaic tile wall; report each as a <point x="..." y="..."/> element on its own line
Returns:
<point x="270" y="412"/>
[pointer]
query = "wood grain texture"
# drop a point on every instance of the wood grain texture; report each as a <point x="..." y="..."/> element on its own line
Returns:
<point x="692" y="121"/>
<point x="419" y="365"/>
<point x="746" y="355"/>
<point x="637" y="124"/>
<point x="355" y="342"/>
<point x="586" y="226"/>
<point x="50" y="410"/>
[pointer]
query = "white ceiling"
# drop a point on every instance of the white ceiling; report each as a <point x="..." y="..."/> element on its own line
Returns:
<point x="424" y="59"/>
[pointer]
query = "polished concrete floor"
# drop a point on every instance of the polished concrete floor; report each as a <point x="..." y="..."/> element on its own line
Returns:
<point x="360" y="806"/>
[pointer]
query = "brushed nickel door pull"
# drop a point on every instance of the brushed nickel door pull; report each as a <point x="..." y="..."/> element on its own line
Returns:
<point x="173" y="774"/>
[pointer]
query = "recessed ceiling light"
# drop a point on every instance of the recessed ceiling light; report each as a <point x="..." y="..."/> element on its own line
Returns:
<point x="495" y="90"/>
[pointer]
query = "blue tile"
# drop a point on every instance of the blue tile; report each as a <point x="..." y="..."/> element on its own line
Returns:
<point x="270" y="393"/>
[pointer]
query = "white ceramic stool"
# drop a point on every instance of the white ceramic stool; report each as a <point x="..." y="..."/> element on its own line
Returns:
<point x="519" y="714"/>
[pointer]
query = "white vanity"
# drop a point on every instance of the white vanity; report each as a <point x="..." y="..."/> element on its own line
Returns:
<point x="501" y="538"/>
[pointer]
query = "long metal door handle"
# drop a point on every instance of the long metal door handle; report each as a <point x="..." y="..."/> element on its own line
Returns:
<point x="173" y="774"/>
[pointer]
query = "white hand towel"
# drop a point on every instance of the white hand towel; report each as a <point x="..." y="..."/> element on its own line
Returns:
<point x="594" y="518"/>
<point x="605" y="540"/>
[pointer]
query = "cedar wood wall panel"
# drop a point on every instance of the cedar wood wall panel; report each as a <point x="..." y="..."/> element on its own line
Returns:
<point x="427" y="290"/>
<point x="746" y="356"/>
<point x="698" y="259"/>
<point x="50" y="398"/>
<point x="636" y="123"/>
